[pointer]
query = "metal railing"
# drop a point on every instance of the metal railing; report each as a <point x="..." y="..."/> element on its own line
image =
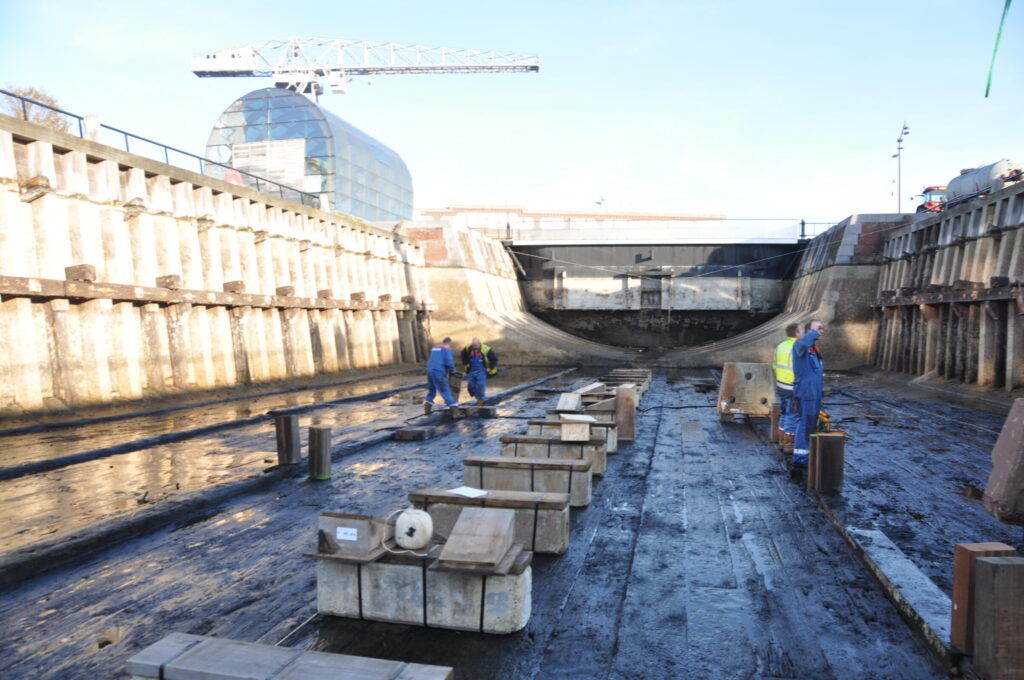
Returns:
<point x="156" y="150"/>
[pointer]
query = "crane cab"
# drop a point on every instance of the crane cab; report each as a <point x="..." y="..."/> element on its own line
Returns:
<point x="933" y="198"/>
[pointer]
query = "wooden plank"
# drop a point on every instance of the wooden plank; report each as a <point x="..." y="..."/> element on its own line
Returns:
<point x="481" y="536"/>
<point x="493" y="499"/>
<point x="592" y="387"/>
<point x="577" y="465"/>
<point x="961" y="634"/>
<point x="606" y="405"/>
<point x="625" y="412"/>
<point x="569" y="401"/>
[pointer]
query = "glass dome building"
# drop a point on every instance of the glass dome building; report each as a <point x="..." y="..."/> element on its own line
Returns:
<point x="280" y="135"/>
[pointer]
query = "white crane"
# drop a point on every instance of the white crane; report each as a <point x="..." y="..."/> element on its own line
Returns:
<point x="299" y="63"/>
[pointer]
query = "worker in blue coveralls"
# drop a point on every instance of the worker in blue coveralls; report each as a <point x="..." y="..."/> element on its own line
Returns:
<point x="439" y="365"/>
<point x="478" y="361"/>
<point x="808" y="388"/>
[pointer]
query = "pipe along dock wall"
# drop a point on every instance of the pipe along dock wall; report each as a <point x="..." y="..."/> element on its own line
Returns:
<point x="123" y="278"/>
<point x="949" y="296"/>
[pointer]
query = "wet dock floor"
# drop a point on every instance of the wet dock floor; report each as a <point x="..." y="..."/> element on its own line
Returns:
<point x="698" y="557"/>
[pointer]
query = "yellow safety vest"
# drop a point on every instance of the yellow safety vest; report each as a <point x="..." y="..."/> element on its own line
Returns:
<point x="783" y="364"/>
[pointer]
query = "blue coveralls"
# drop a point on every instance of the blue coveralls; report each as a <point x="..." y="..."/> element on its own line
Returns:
<point x="439" y="365"/>
<point x="477" y="374"/>
<point x="808" y="389"/>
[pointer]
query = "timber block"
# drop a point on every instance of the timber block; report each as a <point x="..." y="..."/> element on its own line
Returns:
<point x="80" y="272"/>
<point x="352" y="537"/>
<point x="505" y="473"/>
<point x="403" y="589"/>
<point x="196" y="657"/>
<point x="961" y="634"/>
<point x="481" y="536"/>
<point x="999" y="617"/>
<point x="552" y="427"/>
<point x="415" y="434"/>
<point x="170" y="282"/>
<point x="284" y="291"/>
<point x="527" y="446"/>
<point x="1004" y="492"/>
<point x="541" y="522"/>
<point x="747" y="389"/>
<point x="237" y="287"/>
<point x="575" y="428"/>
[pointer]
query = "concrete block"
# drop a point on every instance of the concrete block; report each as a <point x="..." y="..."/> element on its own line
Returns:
<point x="415" y="434"/>
<point x="746" y="389"/>
<point x="214" y="659"/>
<point x="961" y="635"/>
<point x="323" y="666"/>
<point x="480" y="536"/>
<point x="149" y="663"/>
<point x="402" y="589"/>
<point x="1004" y="493"/>
<point x="527" y="446"/>
<point x="504" y="473"/>
<point x="219" y="658"/>
<point x="999" y="617"/>
<point x="541" y="519"/>
<point x="552" y="427"/>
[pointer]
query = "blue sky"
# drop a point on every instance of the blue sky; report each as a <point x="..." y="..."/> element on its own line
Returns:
<point x="786" y="109"/>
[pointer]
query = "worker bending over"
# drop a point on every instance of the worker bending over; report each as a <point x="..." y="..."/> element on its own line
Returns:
<point x="439" y="364"/>
<point x="782" y="366"/>
<point x="808" y="388"/>
<point x="479" y="361"/>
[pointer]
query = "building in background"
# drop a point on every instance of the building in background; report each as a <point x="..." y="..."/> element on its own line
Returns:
<point x="282" y="136"/>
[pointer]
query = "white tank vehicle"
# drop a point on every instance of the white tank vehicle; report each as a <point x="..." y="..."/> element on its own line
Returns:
<point x="980" y="181"/>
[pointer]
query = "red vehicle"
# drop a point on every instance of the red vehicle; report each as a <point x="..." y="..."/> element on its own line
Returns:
<point x="934" y="199"/>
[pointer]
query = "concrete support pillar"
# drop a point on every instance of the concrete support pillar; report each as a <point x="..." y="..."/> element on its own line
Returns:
<point x="126" y="357"/>
<point x="988" y="339"/>
<point x="351" y="330"/>
<point x="143" y="241"/>
<point x="321" y="331"/>
<point x="932" y="319"/>
<point x="223" y="350"/>
<point x="239" y="317"/>
<point x="52" y="237"/>
<point x="179" y="345"/>
<point x="381" y="339"/>
<point x="209" y="242"/>
<point x="1015" y="349"/>
<point x="8" y="164"/>
<point x="250" y="266"/>
<point x="23" y="358"/>
<point x="1016" y="267"/>
<point x="94" y="317"/>
<point x="257" y="332"/>
<point x="39" y="159"/>
<point x="407" y="335"/>
<point x="157" y="353"/>
<point x="17" y="242"/>
<point x="202" y="342"/>
<point x="66" y="348"/>
<point x="275" y="348"/>
<point x="72" y="174"/>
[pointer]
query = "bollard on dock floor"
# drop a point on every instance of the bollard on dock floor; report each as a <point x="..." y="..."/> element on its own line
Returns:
<point x="320" y="452"/>
<point x="289" y="450"/>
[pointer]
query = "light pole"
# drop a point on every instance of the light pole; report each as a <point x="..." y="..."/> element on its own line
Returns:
<point x="904" y="131"/>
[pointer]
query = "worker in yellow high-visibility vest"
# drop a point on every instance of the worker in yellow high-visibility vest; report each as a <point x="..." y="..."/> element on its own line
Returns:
<point x="782" y="365"/>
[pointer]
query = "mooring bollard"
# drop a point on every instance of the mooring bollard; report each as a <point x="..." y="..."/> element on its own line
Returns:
<point x="289" y="451"/>
<point x="320" y="452"/>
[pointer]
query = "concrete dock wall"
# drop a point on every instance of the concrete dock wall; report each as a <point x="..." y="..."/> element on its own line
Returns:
<point x="950" y="295"/>
<point x="123" y="278"/>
